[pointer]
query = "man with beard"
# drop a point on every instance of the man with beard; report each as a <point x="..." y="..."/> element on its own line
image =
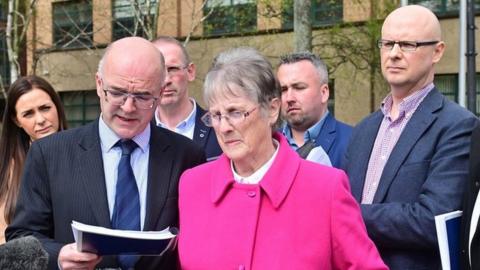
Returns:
<point x="304" y="83"/>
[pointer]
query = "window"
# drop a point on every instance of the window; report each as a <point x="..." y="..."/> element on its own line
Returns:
<point x="81" y="107"/>
<point x="323" y="12"/>
<point x="4" y="64"/>
<point x="447" y="84"/>
<point x="125" y="23"/>
<point x="72" y="24"/>
<point x="3" y="11"/>
<point x="230" y="16"/>
<point x="443" y="7"/>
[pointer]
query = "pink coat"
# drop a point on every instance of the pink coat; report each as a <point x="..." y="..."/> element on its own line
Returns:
<point x="300" y="216"/>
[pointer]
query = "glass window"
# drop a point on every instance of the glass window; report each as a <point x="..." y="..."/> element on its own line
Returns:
<point x="4" y="64"/>
<point x="3" y="11"/>
<point x="72" y="24"/>
<point x="81" y="107"/>
<point x="125" y="23"/>
<point x="448" y="85"/>
<point x="323" y="12"/>
<point x="230" y="16"/>
<point x="443" y="7"/>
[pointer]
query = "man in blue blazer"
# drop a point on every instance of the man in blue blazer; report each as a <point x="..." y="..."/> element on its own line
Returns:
<point x="304" y="82"/>
<point x="176" y="111"/>
<point x="408" y="161"/>
<point x="79" y="174"/>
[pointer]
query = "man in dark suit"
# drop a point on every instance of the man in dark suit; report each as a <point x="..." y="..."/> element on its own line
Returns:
<point x="408" y="161"/>
<point x="471" y="209"/>
<point x="304" y="82"/>
<point x="78" y="174"/>
<point x="176" y="111"/>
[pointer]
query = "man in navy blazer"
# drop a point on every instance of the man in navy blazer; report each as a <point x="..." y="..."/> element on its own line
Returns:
<point x="408" y="161"/>
<point x="176" y="111"/>
<point x="75" y="174"/>
<point x="471" y="209"/>
<point x="304" y="82"/>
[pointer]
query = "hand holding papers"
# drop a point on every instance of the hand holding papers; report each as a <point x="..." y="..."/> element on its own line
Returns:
<point x="103" y="241"/>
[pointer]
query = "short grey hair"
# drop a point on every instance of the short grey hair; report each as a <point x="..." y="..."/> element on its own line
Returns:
<point x="172" y="40"/>
<point x="245" y="68"/>
<point x="308" y="56"/>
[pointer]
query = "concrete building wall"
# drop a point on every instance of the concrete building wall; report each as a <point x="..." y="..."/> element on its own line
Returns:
<point x="74" y="69"/>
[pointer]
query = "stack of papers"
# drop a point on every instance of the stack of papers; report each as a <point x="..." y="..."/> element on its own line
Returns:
<point x="104" y="241"/>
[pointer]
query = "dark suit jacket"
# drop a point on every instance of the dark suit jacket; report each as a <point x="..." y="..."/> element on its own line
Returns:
<point x="334" y="137"/>
<point x="424" y="176"/>
<point x="64" y="180"/>
<point x="205" y="136"/>
<point x="471" y="193"/>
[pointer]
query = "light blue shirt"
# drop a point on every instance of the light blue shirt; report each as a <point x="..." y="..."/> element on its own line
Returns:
<point x="138" y="159"/>
<point x="317" y="154"/>
<point x="310" y="134"/>
<point x="185" y="127"/>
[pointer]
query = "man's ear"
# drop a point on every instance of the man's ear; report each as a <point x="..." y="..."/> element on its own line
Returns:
<point x="99" y="84"/>
<point x="191" y="71"/>
<point x="325" y="90"/>
<point x="438" y="52"/>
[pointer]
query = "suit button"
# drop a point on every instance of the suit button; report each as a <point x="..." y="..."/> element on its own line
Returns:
<point x="477" y="184"/>
<point x="241" y="267"/>
<point x="251" y="194"/>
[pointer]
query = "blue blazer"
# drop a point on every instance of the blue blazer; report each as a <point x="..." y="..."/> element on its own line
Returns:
<point x="471" y="193"/>
<point x="205" y="136"/>
<point x="333" y="138"/>
<point x="424" y="176"/>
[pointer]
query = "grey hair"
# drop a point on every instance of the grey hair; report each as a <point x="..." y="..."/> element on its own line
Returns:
<point x="245" y="68"/>
<point x="171" y="40"/>
<point x="308" y="56"/>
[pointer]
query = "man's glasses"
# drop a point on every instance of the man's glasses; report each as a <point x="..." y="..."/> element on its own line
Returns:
<point x="233" y="118"/>
<point x="118" y="98"/>
<point x="405" y="46"/>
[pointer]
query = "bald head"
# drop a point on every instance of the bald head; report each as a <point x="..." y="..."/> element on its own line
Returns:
<point x="416" y="20"/>
<point x="133" y="53"/>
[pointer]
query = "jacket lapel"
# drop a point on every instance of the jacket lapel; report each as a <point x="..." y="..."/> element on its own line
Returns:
<point x="92" y="174"/>
<point x="160" y="165"/>
<point x="327" y="133"/>
<point x="421" y="120"/>
<point x="361" y="152"/>
<point x="200" y="133"/>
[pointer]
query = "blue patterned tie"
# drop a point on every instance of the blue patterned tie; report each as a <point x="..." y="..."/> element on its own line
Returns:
<point x="126" y="212"/>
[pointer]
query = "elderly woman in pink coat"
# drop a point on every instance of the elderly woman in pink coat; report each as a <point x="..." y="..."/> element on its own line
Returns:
<point x="260" y="206"/>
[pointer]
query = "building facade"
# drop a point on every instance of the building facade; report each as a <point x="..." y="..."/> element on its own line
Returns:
<point x="67" y="38"/>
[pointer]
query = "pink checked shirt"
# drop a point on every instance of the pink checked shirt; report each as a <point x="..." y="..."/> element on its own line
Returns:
<point x="387" y="137"/>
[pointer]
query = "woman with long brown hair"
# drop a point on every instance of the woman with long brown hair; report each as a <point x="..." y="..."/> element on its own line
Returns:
<point x="33" y="110"/>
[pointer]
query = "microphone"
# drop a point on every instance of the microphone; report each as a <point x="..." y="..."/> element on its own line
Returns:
<point x="23" y="253"/>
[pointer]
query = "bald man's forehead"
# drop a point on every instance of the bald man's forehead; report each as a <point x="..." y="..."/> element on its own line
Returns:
<point x="411" y="23"/>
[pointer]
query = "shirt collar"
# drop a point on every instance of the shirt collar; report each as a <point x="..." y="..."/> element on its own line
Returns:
<point x="311" y="133"/>
<point x="258" y="174"/>
<point x="408" y="104"/>
<point x="109" y="138"/>
<point x="189" y="121"/>
<point x="276" y="182"/>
